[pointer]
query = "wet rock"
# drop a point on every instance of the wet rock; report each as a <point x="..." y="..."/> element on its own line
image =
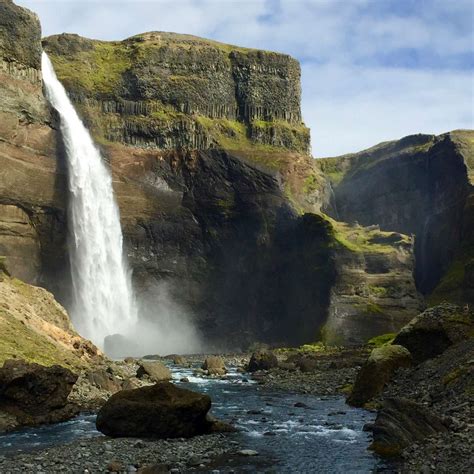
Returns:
<point x="155" y="370"/>
<point x="214" y="365"/>
<point x="262" y="360"/>
<point x="248" y="452"/>
<point x="104" y="380"/>
<point x="300" y="405"/>
<point x="433" y="331"/>
<point x="35" y="394"/>
<point x="180" y="360"/>
<point x="402" y="422"/>
<point x="377" y="371"/>
<point x="161" y="411"/>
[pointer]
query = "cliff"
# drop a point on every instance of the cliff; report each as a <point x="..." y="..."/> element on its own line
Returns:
<point x="168" y="91"/>
<point x="219" y="199"/>
<point x="32" y="191"/>
<point x="420" y="185"/>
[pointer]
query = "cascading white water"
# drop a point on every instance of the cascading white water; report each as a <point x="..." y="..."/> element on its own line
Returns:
<point x="103" y="299"/>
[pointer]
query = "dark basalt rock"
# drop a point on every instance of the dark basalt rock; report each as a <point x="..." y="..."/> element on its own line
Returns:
<point x="377" y="371"/>
<point x="160" y="411"/>
<point x="436" y="329"/>
<point x="35" y="394"/>
<point x="262" y="360"/>
<point x="417" y="185"/>
<point x="402" y="422"/>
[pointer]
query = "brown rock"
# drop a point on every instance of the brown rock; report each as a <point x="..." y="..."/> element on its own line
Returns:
<point x="262" y="360"/>
<point x="35" y="394"/>
<point x="160" y="411"/>
<point x="214" y="365"/>
<point x="155" y="370"/>
<point x="433" y="331"/>
<point x="402" y="422"/>
<point x="377" y="371"/>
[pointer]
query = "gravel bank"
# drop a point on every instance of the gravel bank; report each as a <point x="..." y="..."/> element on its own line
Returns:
<point x="124" y="455"/>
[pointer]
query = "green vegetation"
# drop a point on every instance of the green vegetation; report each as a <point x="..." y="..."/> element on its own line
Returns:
<point x="382" y="340"/>
<point x="366" y="239"/>
<point x="18" y="341"/>
<point x="378" y="291"/>
<point x="98" y="70"/>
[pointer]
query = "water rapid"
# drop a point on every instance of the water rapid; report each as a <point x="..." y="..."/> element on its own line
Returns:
<point x="103" y="301"/>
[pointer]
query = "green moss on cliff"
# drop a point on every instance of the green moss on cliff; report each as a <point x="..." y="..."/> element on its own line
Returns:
<point x="97" y="70"/>
<point x="18" y="341"/>
<point x="367" y="239"/>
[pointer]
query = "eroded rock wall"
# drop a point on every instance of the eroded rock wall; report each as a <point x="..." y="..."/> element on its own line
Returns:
<point x="32" y="197"/>
<point x="418" y="185"/>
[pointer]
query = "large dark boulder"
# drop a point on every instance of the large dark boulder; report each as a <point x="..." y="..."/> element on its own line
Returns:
<point x="402" y="422"/>
<point x="262" y="360"/>
<point x="35" y="394"/>
<point x="159" y="411"/>
<point x="377" y="371"/>
<point x="434" y="330"/>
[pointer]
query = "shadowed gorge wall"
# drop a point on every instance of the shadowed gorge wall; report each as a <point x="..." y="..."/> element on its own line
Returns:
<point x="418" y="185"/>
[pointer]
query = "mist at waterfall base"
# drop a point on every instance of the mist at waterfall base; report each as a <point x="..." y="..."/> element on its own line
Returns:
<point x="104" y="308"/>
<point x="163" y="327"/>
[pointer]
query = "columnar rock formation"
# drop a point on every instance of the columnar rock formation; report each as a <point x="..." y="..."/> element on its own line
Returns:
<point x="220" y="200"/>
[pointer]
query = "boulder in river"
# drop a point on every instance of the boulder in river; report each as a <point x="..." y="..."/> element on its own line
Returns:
<point x="34" y="394"/>
<point x="214" y="365"/>
<point x="377" y="371"/>
<point x="104" y="380"/>
<point x="155" y="370"/>
<point x="433" y="331"/>
<point x="262" y="360"/>
<point x="402" y="422"/>
<point x="158" y="411"/>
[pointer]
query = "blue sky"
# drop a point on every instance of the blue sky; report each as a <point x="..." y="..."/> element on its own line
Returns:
<point x="372" y="70"/>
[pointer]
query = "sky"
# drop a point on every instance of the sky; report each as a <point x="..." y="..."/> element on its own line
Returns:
<point x="372" y="70"/>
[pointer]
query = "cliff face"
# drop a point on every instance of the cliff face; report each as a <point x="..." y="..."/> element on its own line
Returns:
<point x="32" y="193"/>
<point x="418" y="185"/>
<point x="217" y="194"/>
<point x="168" y="91"/>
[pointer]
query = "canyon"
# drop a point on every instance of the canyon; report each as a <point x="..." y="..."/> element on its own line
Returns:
<point x="223" y="209"/>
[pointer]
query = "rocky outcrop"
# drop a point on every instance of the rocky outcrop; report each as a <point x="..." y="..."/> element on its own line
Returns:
<point x="262" y="360"/>
<point x="160" y="411"/>
<point x="214" y="365"/>
<point x="156" y="371"/>
<point x="35" y="327"/>
<point x="33" y="394"/>
<point x="402" y="422"/>
<point x="32" y="197"/>
<point x="436" y="329"/>
<point x="417" y="185"/>
<point x="377" y="371"/>
<point x="374" y="291"/>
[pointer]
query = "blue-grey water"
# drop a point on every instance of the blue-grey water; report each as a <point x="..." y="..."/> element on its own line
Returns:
<point x="325" y="435"/>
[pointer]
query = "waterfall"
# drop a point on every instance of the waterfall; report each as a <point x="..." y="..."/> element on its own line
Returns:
<point x="103" y="301"/>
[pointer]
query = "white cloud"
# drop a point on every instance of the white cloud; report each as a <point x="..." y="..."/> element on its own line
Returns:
<point x="355" y="91"/>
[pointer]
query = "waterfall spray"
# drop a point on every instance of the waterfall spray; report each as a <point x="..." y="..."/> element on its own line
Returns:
<point x="103" y="299"/>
